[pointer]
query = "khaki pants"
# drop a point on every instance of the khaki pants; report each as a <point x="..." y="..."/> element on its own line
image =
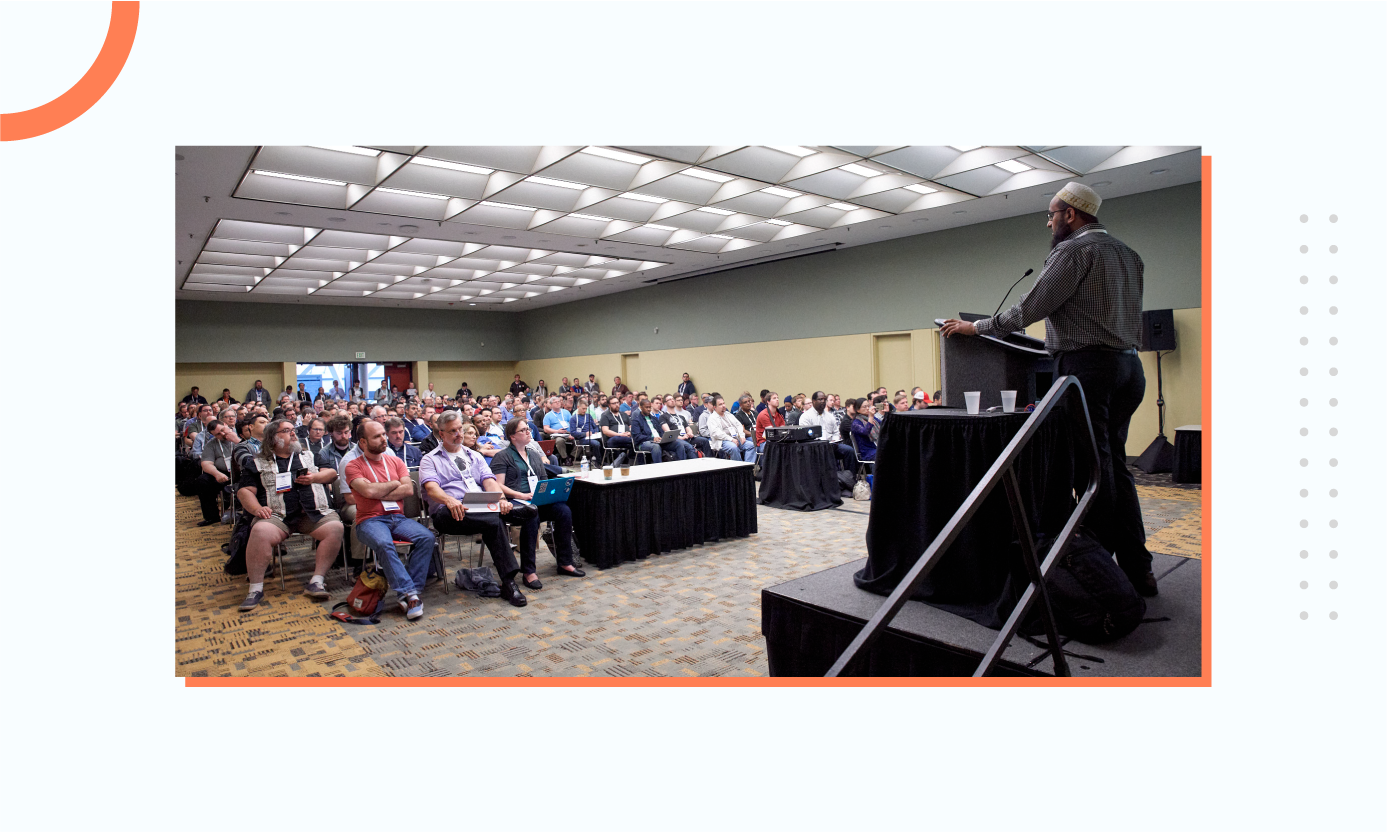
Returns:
<point x="563" y="446"/>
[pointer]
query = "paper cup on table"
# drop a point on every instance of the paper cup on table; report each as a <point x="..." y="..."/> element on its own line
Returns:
<point x="972" y="400"/>
<point x="1008" y="401"/>
<point x="606" y="472"/>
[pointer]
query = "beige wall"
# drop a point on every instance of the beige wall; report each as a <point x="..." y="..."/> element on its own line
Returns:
<point x="240" y="377"/>
<point x="481" y="376"/>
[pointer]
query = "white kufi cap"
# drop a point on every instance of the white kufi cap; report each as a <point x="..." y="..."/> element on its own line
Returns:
<point x="1082" y="197"/>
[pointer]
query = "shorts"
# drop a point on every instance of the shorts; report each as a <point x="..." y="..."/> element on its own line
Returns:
<point x="303" y="524"/>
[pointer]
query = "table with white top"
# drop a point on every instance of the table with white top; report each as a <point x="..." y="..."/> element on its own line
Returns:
<point x="661" y="507"/>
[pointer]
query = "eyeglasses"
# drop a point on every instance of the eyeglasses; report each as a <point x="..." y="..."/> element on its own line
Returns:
<point x="284" y="430"/>
<point x="1049" y="214"/>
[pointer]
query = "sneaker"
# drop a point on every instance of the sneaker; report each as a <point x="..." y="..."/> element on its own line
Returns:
<point x="316" y="591"/>
<point x="252" y="600"/>
<point x="415" y="609"/>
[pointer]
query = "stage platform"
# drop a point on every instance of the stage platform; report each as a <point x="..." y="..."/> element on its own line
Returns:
<point x="809" y="622"/>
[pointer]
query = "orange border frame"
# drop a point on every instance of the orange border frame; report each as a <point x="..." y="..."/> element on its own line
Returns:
<point x="45" y="118"/>
<point x="1205" y="679"/>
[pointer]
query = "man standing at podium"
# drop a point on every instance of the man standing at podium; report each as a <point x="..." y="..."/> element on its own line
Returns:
<point x="1089" y="295"/>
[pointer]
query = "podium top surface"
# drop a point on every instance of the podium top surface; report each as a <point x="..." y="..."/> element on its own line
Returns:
<point x="1018" y="341"/>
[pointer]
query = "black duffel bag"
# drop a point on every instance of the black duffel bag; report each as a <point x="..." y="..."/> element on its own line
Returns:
<point x="1092" y="598"/>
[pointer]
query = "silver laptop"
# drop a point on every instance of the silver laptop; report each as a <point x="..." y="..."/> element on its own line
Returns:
<point x="482" y="502"/>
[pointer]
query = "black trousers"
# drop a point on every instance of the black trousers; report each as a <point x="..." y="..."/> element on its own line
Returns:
<point x="494" y="535"/>
<point x="1114" y="385"/>
<point x="562" y="519"/>
<point x="207" y="490"/>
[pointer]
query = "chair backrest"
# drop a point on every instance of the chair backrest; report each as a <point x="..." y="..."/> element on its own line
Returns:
<point x="414" y="504"/>
<point x="547" y="445"/>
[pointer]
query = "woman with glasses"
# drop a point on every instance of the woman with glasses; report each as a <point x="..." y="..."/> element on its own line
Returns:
<point x="520" y="469"/>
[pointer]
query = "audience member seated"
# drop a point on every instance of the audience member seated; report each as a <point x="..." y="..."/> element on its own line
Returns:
<point x="395" y="432"/>
<point x="558" y="426"/>
<point x="317" y="438"/>
<point x="677" y="447"/>
<point x="381" y="483"/>
<point x="827" y="421"/>
<point x="488" y="442"/>
<point x="586" y="434"/>
<point x="866" y="429"/>
<point x="282" y="489"/>
<point x="452" y="470"/>
<point x="746" y="416"/>
<point x="726" y="434"/>
<point x="646" y="431"/>
<point x="217" y="452"/>
<point x="520" y="469"/>
<point x="769" y="417"/>
<point x="688" y="428"/>
<point x="616" y="428"/>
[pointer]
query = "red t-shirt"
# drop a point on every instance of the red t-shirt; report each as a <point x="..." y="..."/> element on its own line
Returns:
<point x="390" y="467"/>
<point x="764" y="420"/>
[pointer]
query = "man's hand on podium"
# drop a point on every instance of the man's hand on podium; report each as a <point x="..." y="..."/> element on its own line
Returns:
<point x="953" y="326"/>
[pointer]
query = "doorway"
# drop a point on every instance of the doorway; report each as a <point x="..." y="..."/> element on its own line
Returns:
<point x="631" y="371"/>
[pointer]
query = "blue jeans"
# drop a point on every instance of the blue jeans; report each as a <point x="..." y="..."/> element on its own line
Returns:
<point x="681" y="450"/>
<point x="845" y="456"/>
<point x="745" y="451"/>
<point x="379" y="535"/>
<point x="653" y="448"/>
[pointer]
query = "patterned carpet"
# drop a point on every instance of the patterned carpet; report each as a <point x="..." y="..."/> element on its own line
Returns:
<point x="694" y="612"/>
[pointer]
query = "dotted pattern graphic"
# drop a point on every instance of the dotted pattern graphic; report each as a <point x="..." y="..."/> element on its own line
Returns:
<point x="1318" y="472"/>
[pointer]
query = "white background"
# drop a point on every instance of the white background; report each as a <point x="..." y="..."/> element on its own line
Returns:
<point x="1288" y="99"/>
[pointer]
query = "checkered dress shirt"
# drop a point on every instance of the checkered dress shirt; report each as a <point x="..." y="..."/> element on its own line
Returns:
<point x="1089" y="294"/>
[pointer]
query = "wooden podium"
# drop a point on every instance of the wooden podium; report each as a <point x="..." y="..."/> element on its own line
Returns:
<point x="990" y="365"/>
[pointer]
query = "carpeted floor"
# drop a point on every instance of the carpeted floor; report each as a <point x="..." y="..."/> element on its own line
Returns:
<point x="694" y="612"/>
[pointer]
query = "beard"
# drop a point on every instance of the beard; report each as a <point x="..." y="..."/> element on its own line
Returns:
<point x="288" y="446"/>
<point x="1059" y="234"/>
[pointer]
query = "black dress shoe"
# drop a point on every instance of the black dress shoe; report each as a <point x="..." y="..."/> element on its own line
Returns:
<point x="208" y="522"/>
<point x="1145" y="585"/>
<point x="575" y="573"/>
<point x="512" y="593"/>
<point x="535" y="584"/>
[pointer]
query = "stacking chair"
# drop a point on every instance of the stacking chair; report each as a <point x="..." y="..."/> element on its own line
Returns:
<point x="862" y="464"/>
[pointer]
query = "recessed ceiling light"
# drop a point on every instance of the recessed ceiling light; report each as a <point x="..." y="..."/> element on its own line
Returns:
<point x="356" y="151"/>
<point x="471" y="304"/>
<point x="1096" y="184"/>
<point x="965" y="147"/>
<point x="312" y="179"/>
<point x="458" y="166"/>
<point x="618" y="155"/>
<point x="1013" y="166"/>
<point x="722" y="212"/>
<point x="861" y="170"/>
<point x="777" y="191"/>
<point x="643" y="198"/>
<point x="504" y="205"/>
<point x="921" y="189"/>
<point x="843" y="206"/>
<point x="777" y="222"/>
<point x="591" y="217"/>
<point x="793" y="149"/>
<point x="700" y="173"/>
<point x="557" y="183"/>
<point x="410" y="193"/>
<point x="1159" y="171"/>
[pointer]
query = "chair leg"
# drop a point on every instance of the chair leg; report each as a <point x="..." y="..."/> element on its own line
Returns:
<point x="440" y="540"/>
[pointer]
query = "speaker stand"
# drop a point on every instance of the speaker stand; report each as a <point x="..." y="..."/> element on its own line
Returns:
<point x="1159" y="456"/>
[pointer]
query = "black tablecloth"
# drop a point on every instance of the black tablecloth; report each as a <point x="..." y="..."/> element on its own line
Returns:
<point x="799" y="475"/>
<point x="927" y="463"/>
<point x="635" y="519"/>
<point x="1189" y="456"/>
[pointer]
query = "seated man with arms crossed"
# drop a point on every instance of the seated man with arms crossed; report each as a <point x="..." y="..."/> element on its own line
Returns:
<point x="450" y="471"/>
<point x="381" y="483"/>
<point x="520" y="469"/>
<point x="282" y="489"/>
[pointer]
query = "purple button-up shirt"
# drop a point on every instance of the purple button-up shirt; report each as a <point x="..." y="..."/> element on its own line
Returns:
<point x="438" y="466"/>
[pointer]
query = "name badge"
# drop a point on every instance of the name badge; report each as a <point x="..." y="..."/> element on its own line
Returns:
<point x="389" y="505"/>
<point x="621" y="429"/>
<point x="284" y="482"/>
<point x="534" y="481"/>
<point x="563" y="425"/>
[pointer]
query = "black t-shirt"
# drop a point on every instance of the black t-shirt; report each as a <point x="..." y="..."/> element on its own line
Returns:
<point x="614" y="422"/>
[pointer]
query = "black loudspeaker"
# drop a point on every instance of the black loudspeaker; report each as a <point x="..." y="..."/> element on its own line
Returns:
<point x="1158" y="330"/>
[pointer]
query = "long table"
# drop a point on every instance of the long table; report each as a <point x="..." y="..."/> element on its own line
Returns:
<point x="661" y="507"/>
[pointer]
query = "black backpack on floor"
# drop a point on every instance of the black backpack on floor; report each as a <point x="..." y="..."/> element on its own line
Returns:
<point x="1092" y="598"/>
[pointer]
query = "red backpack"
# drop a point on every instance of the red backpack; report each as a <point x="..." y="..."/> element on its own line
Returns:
<point x="366" y="599"/>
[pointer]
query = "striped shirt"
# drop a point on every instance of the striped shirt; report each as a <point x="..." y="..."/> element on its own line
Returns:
<point x="1089" y="294"/>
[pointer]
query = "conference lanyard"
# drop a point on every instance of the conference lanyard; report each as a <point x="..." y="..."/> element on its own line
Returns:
<point x="529" y="472"/>
<point x="388" y="505"/>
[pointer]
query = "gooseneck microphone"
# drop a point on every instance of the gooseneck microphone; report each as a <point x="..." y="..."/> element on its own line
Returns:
<point x="1013" y="286"/>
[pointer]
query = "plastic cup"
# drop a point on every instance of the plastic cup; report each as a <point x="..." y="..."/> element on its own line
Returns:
<point x="1008" y="401"/>
<point x="972" y="400"/>
<point x="606" y="472"/>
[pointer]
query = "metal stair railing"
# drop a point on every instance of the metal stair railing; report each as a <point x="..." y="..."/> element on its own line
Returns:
<point x="1003" y="470"/>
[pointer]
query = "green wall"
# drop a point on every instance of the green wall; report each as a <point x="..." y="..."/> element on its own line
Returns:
<point x="896" y="285"/>
<point x="207" y="331"/>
